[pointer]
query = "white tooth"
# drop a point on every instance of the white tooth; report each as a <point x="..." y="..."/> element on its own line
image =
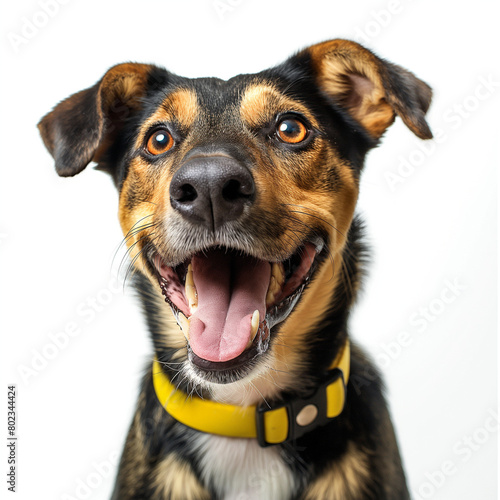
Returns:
<point x="190" y="288"/>
<point x="183" y="322"/>
<point x="192" y="297"/>
<point x="255" y="323"/>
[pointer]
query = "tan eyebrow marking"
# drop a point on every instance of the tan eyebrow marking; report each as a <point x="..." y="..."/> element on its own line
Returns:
<point x="180" y="106"/>
<point x="261" y="102"/>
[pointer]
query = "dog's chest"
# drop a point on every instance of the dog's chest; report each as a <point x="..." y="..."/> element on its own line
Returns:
<point x="239" y="469"/>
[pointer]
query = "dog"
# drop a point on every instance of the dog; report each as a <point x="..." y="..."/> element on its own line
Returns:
<point x="237" y="202"/>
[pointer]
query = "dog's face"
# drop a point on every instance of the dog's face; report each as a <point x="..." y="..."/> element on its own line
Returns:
<point x="236" y="197"/>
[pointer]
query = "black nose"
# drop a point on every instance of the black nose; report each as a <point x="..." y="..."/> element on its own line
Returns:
<point x="212" y="190"/>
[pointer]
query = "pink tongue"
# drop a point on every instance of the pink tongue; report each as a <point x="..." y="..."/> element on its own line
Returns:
<point x="230" y="288"/>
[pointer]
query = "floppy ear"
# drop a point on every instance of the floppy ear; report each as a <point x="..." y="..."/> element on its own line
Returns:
<point x="371" y="90"/>
<point x="81" y="128"/>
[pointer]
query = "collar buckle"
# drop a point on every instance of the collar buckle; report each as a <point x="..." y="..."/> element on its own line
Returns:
<point x="289" y="420"/>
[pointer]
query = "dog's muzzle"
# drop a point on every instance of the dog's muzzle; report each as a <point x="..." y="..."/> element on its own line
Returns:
<point x="226" y="300"/>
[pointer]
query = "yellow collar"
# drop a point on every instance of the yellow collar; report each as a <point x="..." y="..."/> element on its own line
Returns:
<point x="284" y="421"/>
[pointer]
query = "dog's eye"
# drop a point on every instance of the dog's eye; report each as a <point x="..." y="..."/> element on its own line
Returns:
<point x="159" y="142"/>
<point x="291" y="130"/>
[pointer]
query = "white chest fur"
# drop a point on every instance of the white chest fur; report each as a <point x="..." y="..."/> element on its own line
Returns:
<point x="239" y="469"/>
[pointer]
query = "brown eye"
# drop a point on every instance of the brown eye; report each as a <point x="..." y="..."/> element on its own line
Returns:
<point x="159" y="142"/>
<point x="291" y="130"/>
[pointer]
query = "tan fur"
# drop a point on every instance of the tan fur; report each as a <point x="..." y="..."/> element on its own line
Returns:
<point x="261" y="102"/>
<point x="139" y="184"/>
<point x="142" y="203"/>
<point x="288" y="351"/>
<point x="181" y="106"/>
<point x="175" y="479"/>
<point x="351" y="75"/>
<point x="126" y="82"/>
<point x="344" y="479"/>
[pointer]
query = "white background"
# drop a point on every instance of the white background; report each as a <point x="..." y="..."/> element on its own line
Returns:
<point x="437" y="226"/>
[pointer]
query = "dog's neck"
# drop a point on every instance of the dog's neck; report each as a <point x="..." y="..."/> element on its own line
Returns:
<point x="288" y="420"/>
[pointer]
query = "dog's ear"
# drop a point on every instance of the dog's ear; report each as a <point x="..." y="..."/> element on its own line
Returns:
<point x="82" y="127"/>
<point x="371" y="90"/>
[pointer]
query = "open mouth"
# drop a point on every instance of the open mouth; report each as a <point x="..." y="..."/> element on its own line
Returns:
<point x="226" y="302"/>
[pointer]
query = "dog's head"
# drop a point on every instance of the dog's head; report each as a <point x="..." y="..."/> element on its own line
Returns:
<point x="236" y="197"/>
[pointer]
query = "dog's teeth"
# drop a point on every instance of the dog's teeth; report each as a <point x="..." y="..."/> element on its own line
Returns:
<point x="183" y="322"/>
<point x="255" y="323"/>
<point x="277" y="272"/>
<point x="190" y="288"/>
<point x="270" y="294"/>
<point x="270" y="298"/>
<point x="272" y="291"/>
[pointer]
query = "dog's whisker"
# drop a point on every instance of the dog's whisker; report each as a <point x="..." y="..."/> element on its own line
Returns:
<point x="261" y="395"/>
<point x="144" y="251"/>
<point x="129" y="236"/>
<point x="181" y="380"/>
<point x="135" y="228"/>
<point x="270" y="374"/>
<point x="282" y="359"/>
<point x="131" y="247"/>
<point x="171" y="365"/>
<point x="132" y="268"/>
